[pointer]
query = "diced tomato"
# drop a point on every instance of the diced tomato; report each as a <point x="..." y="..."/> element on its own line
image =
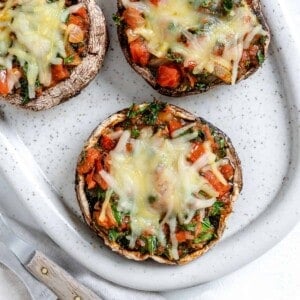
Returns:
<point x="4" y="90"/>
<point x="107" y="162"/>
<point x="13" y="76"/>
<point x="133" y="18"/>
<point x="89" y="180"/>
<point x="168" y="76"/>
<point x="139" y="52"/>
<point x="81" y="12"/>
<point x="101" y="182"/>
<point x="197" y="151"/>
<point x="125" y="223"/>
<point x="253" y="49"/>
<point x="154" y="2"/>
<point x="191" y="65"/>
<point x="182" y="236"/>
<point x="227" y="171"/>
<point x="209" y="137"/>
<point x="97" y="177"/>
<point x="129" y="147"/>
<point x="108" y="221"/>
<point x="75" y="34"/>
<point x="92" y="154"/>
<point x="77" y="20"/>
<point x="165" y="116"/>
<point x="216" y="184"/>
<point x="174" y="124"/>
<point x="245" y="59"/>
<point x="107" y="143"/>
<point x="98" y="165"/>
<point x="59" y="73"/>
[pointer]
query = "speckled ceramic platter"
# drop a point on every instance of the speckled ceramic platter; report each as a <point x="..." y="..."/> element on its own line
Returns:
<point x="38" y="153"/>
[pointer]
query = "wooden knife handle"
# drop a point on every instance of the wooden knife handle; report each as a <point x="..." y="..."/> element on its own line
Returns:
<point x="58" y="280"/>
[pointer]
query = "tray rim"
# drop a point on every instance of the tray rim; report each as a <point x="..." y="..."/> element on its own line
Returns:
<point x="12" y="143"/>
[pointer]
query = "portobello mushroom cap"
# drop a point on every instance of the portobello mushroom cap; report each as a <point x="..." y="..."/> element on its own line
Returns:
<point x="211" y="81"/>
<point x="80" y="75"/>
<point x="87" y="207"/>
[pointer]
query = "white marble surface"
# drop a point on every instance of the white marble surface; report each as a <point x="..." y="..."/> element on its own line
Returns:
<point x="274" y="276"/>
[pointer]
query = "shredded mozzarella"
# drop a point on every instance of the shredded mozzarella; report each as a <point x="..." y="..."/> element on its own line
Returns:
<point x="40" y="37"/>
<point x="156" y="167"/>
<point x="170" y="19"/>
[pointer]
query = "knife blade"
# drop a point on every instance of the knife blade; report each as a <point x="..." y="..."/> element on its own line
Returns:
<point x="41" y="267"/>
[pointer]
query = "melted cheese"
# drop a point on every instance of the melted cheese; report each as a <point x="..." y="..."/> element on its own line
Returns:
<point x="40" y="37"/>
<point x="168" y="21"/>
<point x="156" y="167"/>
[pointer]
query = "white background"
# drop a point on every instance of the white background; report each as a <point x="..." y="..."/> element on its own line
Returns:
<point x="274" y="276"/>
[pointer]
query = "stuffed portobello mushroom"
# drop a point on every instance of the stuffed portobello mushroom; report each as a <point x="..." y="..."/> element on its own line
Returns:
<point x="183" y="47"/>
<point x="49" y="50"/>
<point x="154" y="181"/>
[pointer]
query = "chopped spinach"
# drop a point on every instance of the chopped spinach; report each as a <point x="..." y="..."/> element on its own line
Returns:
<point x="133" y="112"/>
<point x="206" y="224"/>
<point x="207" y="232"/>
<point x="151" y="242"/>
<point x="117" y="214"/>
<point x="150" y="113"/>
<point x="202" y="193"/>
<point x="24" y="91"/>
<point x="37" y="83"/>
<point x="123" y="240"/>
<point x="221" y="144"/>
<point x="116" y="19"/>
<point x="94" y="195"/>
<point x="25" y="67"/>
<point x="260" y="57"/>
<point x="135" y="133"/>
<point x="204" y="237"/>
<point x="172" y="26"/>
<point x="263" y="39"/>
<point x="188" y="227"/>
<point x="216" y="208"/>
<point x="174" y="57"/>
<point x="68" y="59"/>
<point x="188" y="131"/>
<point x="100" y="194"/>
<point x="151" y="199"/>
<point x="201" y="28"/>
<point x="113" y="234"/>
<point x="201" y="135"/>
<point x="201" y="3"/>
<point x="201" y="86"/>
<point x="222" y="152"/>
<point x="228" y="5"/>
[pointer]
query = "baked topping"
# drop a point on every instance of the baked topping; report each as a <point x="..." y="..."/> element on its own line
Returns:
<point x="41" y="41"/>
<point x="158" y="181"/>
<point x="183" y="39"/>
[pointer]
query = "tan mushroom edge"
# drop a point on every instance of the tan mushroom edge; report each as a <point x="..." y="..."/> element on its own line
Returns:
<point x="150" y="79"/>
<point x="135" y="255"/>
<point x="80" y="75"/>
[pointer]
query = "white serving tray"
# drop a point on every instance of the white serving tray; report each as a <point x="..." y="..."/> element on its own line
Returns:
<point x="39" y="150"/>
